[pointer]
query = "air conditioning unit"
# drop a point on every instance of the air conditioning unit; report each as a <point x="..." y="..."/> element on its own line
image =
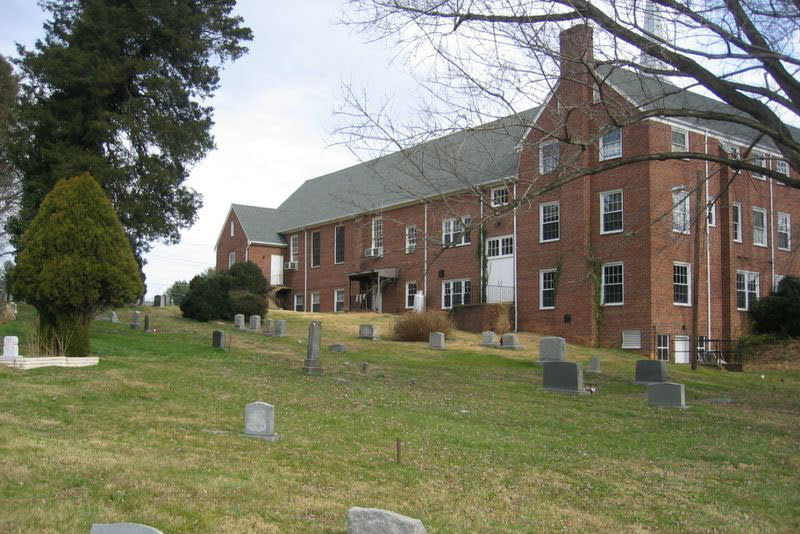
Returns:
<point x="373" y="252"/>
<point x="290" y="265"/>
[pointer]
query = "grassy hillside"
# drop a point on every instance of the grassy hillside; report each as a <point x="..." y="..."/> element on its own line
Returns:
<point x="484" y="448"/>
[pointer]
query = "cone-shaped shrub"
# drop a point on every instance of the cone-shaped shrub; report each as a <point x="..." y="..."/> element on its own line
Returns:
<point x="74" y="260"/>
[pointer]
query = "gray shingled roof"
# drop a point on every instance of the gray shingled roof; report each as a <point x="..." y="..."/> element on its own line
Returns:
<point x="260" y="224"/>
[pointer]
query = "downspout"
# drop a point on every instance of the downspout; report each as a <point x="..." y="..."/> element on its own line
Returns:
<point x="708" y="246"/>
<point x="482" y="244"/>
<point x="425" y="257"/>
<point x="771" y="240"/>
<point x="247" y="252"/>
<point x="514" y="270"/>
<point x="305" y="270"/>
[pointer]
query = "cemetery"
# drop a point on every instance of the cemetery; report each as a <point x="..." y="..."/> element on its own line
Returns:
<point x="171" y="432"/>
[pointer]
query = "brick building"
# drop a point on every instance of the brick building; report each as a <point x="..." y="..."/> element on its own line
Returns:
<point x="630" y="256"/>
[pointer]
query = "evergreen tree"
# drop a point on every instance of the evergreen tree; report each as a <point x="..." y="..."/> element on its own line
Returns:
<point x="116" y="89"/>
<point x="74" y="261"/>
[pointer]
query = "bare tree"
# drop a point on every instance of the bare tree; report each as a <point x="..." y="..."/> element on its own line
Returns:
<point x="9" y="181"/>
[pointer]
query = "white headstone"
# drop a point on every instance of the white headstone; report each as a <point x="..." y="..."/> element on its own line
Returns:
<point x="259" y="421"/>
<point x="552" y="349"/>
<point x="488" y="339"/>
<point x="510" y="341"/>
<point x="122" y="528"/>
<point x="436" y="341"/>
<point x="255" y="323"/>
<point x="238" y="321"/>
<point x="10" y="347"/>
<point x="377" y="521"/>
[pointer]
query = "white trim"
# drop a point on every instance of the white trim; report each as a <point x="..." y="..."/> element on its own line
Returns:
<point x="747" y="275"/>
<point x="499" y="240"/>
<point x="408" y="245"/>
<point x="466" y="222"/>
<point x="541" y="221"/>
<point x="344" y="294"/>
<point x="374" y="242"/>
<point x="319" y="301"/>
<point x="688" y="266"/>
<point x="711" y="209"/>
<point x="602" y="212"/>
<point x="267" y="243"/>
<point x="344" y="239"/>
<point x="788" y="231"/>
<point x="685" y="133"/>
<point x="231" y="259"/>
<point x="736" y="206"/>
<point x="311" y="263"/>
<point x="541" y="289"/>
<point x="294" y="252"/>
<point x="603" y="283"/>
<point x="600" y="156"/>
<point x="764" y="158"/>
<point x="302" y="298"/>
<point x="451" y="282"/>
<point x="494" y="204"/>
<point x="687" y="201"/>
<point x="763" y="211"/>
<point x="405" y="297"/>
<point x="542" y="145"/>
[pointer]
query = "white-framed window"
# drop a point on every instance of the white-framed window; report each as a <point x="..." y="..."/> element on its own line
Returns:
<point x="662" y="347"/>
<point x="549" y="221"/>
<point x="338" y="300"/>
<point x="498" y="247"/>
<point x="760" y="227"/>
<point x="233" y="228"/>
<point x="499" y="196"/>
<point x="411" y="290"/>
<point x="315" y="249"/>
<point x="784" y="231"/>
<point x="681" y="205"/>
<point x="294" y="248"/>
<point x="411" y="239"/>
<point x="747" y="289"/>
<point x="338" y="244"/>
<point x="613" y="285"/>
<point x="776" y="281"/>
<point x="711" y="210"/>
<point x="681" y="284"/>
<point x="782" y="166"/>
<point x="377" y="233"/>
<point x="736" y="222"/>
<point x="456" y="232"/>
<point x="760" y="159"/>
<point x="680" y="140"/>
<point x="547" y="289"/>
<point x="611" y="144"/>
<point x="299" y="302"/>
<point x="733" y="151"/>
<point x="456" y="292"/>
<point x="315" y="301"/>
<point x="231" y="259"/>
<point x="548" y="156"/>
<point x="611" y="212"/>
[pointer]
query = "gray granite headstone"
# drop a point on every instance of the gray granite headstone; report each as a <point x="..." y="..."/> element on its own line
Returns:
<point x="238" y="321"/>
<point x="135" y="319"/>
<point x="667" y="394"/>
<point x="436" y="341"/>
<point x="488" y="339"/>
<point x="259" y="421"/>
<point x="552" y="349"/>
<point x="311" y="364"/>
<point x="337" y="347"/>
<point x="268" y="327"/>
<point x="14" y="310"/>
<point x="147" y="326"/>
<point x="218" y="339"/>
<point x="280" y="328"/>
<point x="650" y="371"/>
<point x="367" y="331"/>
<point x="510" y="341"/>
<point x="255" y="323"/>
<point x="123" y="528"/>
<point x="164" y="300"/>
<point x="377" y="521"/>
<point x="157" y="301"/>
<point x="10" y="347"/>
<point x="563" y="377"/>
<point x="114" y="317"/>
<point x="594" y="365"/>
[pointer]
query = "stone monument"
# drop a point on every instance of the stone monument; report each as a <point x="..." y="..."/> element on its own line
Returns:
<point x="488" y="339"/>
<point x="666" y="394"/>
<point x="259" y="421"/>
<point x="552" y="349"/>
<point x="311" y="364"/>
<point x="563" y="377"/>
<point x="10" y="347"/>
<point x="436" y="341"/>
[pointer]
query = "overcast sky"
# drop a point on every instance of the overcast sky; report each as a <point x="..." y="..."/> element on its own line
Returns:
<point x="274" y="114"/>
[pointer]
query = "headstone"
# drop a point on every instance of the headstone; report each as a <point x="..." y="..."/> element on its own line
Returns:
<point x="268" y="327"/>
<point x="436" y="341"/>
<point x="10" y="347"/>
<point x="552" y="349"/>
<point x="419" y="302"/>
<point x="650" y="371"/>
<point x="311" y="364"/>
<point x="114" y="317"/>
<point x="255" y="323"/>
<point x="14" y="309"/>
<point x="594" y="365"/>
<point x="667" y="394"/>
<point x="218" y="339"/>
<point x="147" y="326"/>
<point x="337" y="347"/>
<point x="164" y="299"/>
<point x="135" y="319"/>
<point x="259" y="421"/>
<point x="488" y="339"/>
<point x="367" y="331"/>
<point x="510" y="341"/>
<point x="563" y="377"/>
<point x="377" y="521"/>
<point x="238" y="321"/>
<point x="123" y="528"/>
<point x="280" y="328"/>
<point x="157" y="301"/>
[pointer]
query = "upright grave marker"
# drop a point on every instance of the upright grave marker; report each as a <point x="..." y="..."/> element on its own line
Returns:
<point x="280" y="328"/>
<point x="488" y="339"/>
<point x="10" y="347"/>
<point x="259" y="421"/>
<point x="436" y="341"/>
<point x="510" y="341"/>
<point x="268" y="327"/>
<point x="311" y="364"/>
<point x="367" y="331"/>
<point x="650" y="371"/>
<point x="666" y="394"/>
<point x="238" y="321"/>
<point x="255" y="323"/>
<point x="147" y="326"/>
<point x="594" y="365"/>
<point x="563" y="377"/>
<point x="157" y="301"/>
<point x="135" y="319"/>
<point x="552" y="349"/>
<point x="114" y="317"/>
<point x="218" y="339"/>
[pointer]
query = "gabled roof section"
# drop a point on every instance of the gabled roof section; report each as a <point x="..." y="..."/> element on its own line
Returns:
<point x="260" y="225"/>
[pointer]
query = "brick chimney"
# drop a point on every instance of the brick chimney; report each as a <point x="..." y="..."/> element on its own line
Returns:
<point x="576" y="50"/>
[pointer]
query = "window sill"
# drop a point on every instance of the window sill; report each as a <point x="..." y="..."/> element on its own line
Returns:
<point x="547" y="308"/>
<point x="549" y="240"/>
<point x="613" y="304"/>
<point x="601" y="158"/>
<point x="737" y="241"/>
<point x="760" y="245"/>
<point x="785" y="249"/>
<point x="681" y="305"/>
<point x="682" y="232"/>
<point x="611" y="232"/>
<point x="499" y="257"/>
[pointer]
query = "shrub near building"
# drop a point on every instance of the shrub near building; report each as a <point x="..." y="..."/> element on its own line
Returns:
<point x="242" y="289"/>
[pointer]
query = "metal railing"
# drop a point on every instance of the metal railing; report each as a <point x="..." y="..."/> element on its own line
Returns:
<point x="499" y="293"/>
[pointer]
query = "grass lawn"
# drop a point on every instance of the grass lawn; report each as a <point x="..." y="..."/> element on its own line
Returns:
<point x="485" y="449"/>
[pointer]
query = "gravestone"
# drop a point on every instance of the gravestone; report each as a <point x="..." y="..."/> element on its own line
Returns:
<point x="552" y="349"/>
<point x="238" y="321"/>
<point x="563" y="377"/>
<point x="594" y="365"/>
<point x="337" y="347"/>
<point x="255" y="323"/>
<point x="488" y="339"/>
<point x="157" y="301"/>
<point x="147" y="326"/>
<point x="123" y="528"/>
<point x="114" y="317"/>
<point x="10" y="347"/>
<point x="510" y="341"/>
<point x="367" y="331"/>
<point x="377" y="521"/>
<point x="268" y="326"/>
<point x="280" y="328"/>
<point x="650" y="371"/>
<point x="311" y="364"/>
<point x="14" y="310"/>
<point x="164" y="301"/>
<point x="666" y="394"/>
<point x="218" y="339"/>
<point x="436" y="341"/>
<point x="259" y="421"/>
<point x="135" y="319"/>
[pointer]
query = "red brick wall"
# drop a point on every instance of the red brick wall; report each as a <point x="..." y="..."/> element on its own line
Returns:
<point x="227" y="243"/>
